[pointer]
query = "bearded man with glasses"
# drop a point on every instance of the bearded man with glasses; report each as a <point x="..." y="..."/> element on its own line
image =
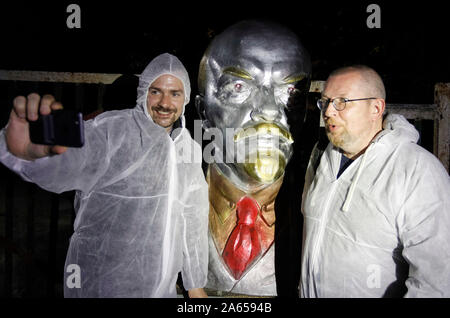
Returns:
<point x="377" y="209"/>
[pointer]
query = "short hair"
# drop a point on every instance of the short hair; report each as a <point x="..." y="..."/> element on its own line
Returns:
<point x="371" y="78"/>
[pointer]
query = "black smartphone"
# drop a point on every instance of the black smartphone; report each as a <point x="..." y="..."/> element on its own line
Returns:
<point x="61" y="127"/>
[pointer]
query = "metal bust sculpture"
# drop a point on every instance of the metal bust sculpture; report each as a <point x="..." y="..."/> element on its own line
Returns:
<point x="247" y="77"/>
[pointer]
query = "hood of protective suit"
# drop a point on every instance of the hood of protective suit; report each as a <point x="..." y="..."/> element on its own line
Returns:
<point x="164" y="64"/>
<point x="398" y="130"/>
<point x="141" y="200"/>
<point x="381" y="228"/>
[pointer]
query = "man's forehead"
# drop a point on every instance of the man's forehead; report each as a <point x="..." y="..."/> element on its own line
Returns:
<point x="343" y="82"/>
<point x="167" y="79"/>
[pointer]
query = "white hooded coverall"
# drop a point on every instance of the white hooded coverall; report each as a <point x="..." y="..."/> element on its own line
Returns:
<point x="382" y="229"/>
<point x="141" y="199"/>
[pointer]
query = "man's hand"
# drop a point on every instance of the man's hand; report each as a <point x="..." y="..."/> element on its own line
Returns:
<point x="17" y="131"/>
<point x="197" y="293"/>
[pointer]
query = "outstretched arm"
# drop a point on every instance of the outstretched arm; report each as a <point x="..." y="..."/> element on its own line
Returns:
<point x="54" y="168"/>
<point x="425" y="231"/>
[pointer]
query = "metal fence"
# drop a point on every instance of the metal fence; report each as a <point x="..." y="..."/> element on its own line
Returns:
<point x="36" y="225"/>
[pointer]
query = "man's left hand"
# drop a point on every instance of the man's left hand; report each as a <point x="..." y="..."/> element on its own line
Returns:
<point x="197" y="293"/>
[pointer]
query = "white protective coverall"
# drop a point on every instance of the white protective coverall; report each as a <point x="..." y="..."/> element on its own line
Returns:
<point x="141" y="201"/>
<point x="388" y="209"/>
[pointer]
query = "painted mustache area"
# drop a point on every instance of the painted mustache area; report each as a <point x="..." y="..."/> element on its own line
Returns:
<point x="266" y="160"/>
<point x="262" y="130"/>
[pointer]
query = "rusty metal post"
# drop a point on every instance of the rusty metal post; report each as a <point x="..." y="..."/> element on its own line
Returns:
<point x="442" y="123"/>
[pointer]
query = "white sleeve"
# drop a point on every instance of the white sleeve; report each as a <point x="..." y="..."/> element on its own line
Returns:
<point x="195" y="233"/>
<point x="425" y="230"/>
<point x="76" y="169"/>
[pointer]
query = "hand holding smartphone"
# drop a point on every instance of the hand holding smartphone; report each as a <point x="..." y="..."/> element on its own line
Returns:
<point x="61" y="127"/>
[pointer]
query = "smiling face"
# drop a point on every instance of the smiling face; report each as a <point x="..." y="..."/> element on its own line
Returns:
<point x="247" y="76"/>
<point x="165" y="100"/>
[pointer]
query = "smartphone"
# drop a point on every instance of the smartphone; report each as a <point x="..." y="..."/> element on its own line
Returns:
<point x="61" y="127"/>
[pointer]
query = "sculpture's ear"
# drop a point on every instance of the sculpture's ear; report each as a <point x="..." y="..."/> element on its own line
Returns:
<point x="200" y="106"/>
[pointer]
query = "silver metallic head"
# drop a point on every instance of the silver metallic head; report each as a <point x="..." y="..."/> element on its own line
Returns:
<point x="247" y="77"/>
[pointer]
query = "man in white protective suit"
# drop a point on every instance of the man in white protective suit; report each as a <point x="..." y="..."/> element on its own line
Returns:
<point x="376" y="204"/>
<point x="141" y="199"/>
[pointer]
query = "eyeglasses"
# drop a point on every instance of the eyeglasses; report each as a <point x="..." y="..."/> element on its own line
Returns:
<point x="338" y="103"/>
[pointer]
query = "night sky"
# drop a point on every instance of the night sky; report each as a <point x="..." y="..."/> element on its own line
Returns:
<point x="409" y="50"/>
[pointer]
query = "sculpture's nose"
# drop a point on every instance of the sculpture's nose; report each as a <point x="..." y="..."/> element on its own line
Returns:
<point x="265" y="107"/>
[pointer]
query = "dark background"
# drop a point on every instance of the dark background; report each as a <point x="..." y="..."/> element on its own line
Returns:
<point x="410" y="51"/>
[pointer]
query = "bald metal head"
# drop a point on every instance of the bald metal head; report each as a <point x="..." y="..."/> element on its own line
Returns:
<point x="247" y="77"/>
<point x="257" y="42"/>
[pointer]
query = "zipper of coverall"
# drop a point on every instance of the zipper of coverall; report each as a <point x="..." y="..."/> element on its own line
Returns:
<point x="321" y="229"/>
<point x="165" y="258"/>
